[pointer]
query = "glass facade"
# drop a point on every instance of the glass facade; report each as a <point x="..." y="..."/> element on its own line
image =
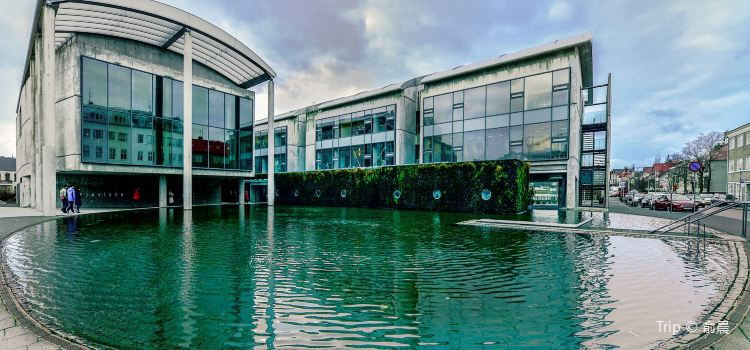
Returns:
<point x="135" y="118"/>
<point x="361" y="139"/>
<point x="593" y="176"/>
<point x="280" y="150"/>
<point x="525" y="118"/>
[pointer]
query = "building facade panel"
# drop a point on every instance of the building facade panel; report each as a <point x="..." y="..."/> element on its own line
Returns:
<point x="738" y="162"/>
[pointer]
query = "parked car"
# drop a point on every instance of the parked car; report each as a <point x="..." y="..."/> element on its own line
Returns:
<point x="629" y="197"/>
<point x="636" y="201"/>
<point x="707" y="199"/>
<point x="720" y="197"/>
<point x="646" y="200"/>
<point x="678" y="202"/>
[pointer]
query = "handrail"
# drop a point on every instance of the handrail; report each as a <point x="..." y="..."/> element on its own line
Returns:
<point x="729" y="206"/>
<point x="719" y="203"/>
<point x="688" y="219"/>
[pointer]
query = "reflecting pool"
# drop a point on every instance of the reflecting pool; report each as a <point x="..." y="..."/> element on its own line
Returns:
<point x="223" y="277"/>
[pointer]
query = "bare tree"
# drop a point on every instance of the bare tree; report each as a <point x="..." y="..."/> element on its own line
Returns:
<point x="704" y="149"/>
<point x="677" y="161"/>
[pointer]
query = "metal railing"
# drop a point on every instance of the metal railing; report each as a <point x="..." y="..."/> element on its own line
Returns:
<point x="696" y="219"/>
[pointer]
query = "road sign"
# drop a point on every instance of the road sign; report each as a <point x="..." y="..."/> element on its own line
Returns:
<point x="694" y="166"/>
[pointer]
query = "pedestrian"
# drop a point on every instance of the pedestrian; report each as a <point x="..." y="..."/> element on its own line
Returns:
<point x="64" y="199"/>
<point x="71" y="199"/>
<point x="247" y="197"/>
<point x="171" y="198"/>
<point x="136" y="198"/>
<point x="78" y="200"/>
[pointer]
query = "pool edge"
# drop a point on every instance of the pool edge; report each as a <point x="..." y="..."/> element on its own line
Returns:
<point x="737" y="312"/>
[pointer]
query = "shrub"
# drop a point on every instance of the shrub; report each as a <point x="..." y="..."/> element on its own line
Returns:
<point x="460" y="186"/>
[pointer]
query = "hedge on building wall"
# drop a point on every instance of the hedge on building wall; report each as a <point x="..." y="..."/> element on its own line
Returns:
<point x="461" y="187"/>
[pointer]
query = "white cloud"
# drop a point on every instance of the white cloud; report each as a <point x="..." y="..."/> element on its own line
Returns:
<point x="560" y="10"/>
<point x="15" y="24"/>
<point x="325" y="80"/>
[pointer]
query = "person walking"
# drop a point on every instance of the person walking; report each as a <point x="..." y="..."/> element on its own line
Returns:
<point x="71" y="199"/>
<point x="170" y="199"/>
<point x="136" y="198"/>
<point x="64" y="199"/>
<point x="247" y="197"/>
<point x="78" y="200"/>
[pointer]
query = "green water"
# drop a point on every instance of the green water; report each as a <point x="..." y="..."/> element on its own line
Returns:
<point x="229" y="277"/>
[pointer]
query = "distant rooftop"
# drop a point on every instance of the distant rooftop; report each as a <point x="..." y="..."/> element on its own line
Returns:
<point x="7" y="164"/>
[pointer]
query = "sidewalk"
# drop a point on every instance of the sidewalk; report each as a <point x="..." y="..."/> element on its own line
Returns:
<point x="729" y="221"/>
<point x="16" y="212"/>
<point x="13" y="334"/>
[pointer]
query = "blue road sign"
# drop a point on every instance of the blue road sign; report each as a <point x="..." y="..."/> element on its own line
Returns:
<point x="694" y="166"/>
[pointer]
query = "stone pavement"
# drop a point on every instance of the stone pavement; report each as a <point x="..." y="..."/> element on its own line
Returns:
<point x="14" y="335"/>
<point x="729" y="221"/>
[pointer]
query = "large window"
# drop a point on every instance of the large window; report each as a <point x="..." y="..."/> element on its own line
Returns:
<point x="280" y="150"/>
<point x="361" y="139"/>
<point x="133" y="117"/>
<point x="525" y="118"/>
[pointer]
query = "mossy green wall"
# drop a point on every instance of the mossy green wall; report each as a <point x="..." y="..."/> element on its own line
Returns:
<point x="460" y="184"/>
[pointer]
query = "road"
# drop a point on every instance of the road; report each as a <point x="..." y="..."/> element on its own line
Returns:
<point x="729" y="221"/>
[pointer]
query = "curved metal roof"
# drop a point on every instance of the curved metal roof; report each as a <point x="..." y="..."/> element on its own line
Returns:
<point x="161" y="25"/>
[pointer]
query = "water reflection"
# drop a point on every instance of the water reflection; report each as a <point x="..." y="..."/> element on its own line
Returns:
<point x="243" y="276"/>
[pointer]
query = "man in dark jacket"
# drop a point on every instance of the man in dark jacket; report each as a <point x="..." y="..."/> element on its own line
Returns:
<point x="78" y="199"/>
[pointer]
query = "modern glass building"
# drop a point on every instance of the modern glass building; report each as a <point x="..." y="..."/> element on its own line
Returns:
<point x="261" y="150"/>
<point x="539" y="105"/>
<point x="353" y="140"/>
<point x="111" y="90"/>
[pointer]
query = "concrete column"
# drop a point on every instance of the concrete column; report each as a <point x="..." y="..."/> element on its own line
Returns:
<point x="242" y="191"/>
<point x="215" y="196"/>
<point x="271" y="140"/>
<point x="49" y="131"/>
<point x="35" y="185"/>
<point x="187" y="130"/>
<point x="162" y="191"/>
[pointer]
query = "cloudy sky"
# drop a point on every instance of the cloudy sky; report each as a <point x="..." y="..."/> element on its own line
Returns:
<point x="679" y="68"/>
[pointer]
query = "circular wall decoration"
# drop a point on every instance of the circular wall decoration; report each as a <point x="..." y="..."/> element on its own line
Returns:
<point x="486" y="194"/>
<point x="343" y="193"/>
<point x="396" y="194"/>
<point x="436" y="194"/>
